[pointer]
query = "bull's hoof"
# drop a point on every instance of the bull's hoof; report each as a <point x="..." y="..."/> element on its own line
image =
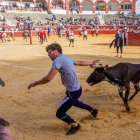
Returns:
<point x="2" y="83"/>
<point x="127" y="108"/>
<point x="130" y="99"/>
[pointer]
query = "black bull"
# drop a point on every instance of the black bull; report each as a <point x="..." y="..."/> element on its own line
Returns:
<point x="2" y="83"/>
<point x="120" y="75"/>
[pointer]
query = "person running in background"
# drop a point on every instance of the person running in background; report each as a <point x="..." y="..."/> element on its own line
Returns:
<point x="49" y="31"/>
<point x="65" y="66"/>
<point x="85" y="33"/>
<point x="67" y="33"/>
<point x="4" y="35"/>
<point x="13" y="34"/>
<point x="97" y="31"/>
<point x="71" y="38"/>
<point x="119" y="43"/>
<point x="9" y="38"/>
<point x="41" y="34"/>
<point x="26" y="34"/>
<point x="45" y="36"/>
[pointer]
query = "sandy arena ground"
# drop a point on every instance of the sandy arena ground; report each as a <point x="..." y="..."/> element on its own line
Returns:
<point x="32" y="112"/>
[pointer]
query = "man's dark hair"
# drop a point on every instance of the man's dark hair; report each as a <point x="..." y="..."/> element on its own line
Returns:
<point x="3" y="123"/>
<point x="54" y="46"/>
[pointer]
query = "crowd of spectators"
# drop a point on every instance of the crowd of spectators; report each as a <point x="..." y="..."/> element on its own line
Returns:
<point x="2" y="21"/>
<point x="23" y="23"/>
<point x="57" y="26"/>
<point x="22" y="6"/>
<point x="121" y="19"/>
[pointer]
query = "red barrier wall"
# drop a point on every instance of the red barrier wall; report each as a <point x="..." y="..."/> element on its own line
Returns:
<point x="17" y="34"/>
<point x="100" y="32"/>
<point x="133" y="39"/>
<point x="101" y="27"/>
<point x="20" y="34"/>
<point x="79" y="26"/>
<point x="76" y="32"/>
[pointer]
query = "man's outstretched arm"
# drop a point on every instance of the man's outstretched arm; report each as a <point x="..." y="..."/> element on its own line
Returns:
<point x="86" y="63"/>
<point x="45" y="79"/>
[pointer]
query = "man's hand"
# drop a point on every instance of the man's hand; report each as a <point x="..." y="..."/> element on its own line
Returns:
<point x="45" y="79"/>
<point x="94" y="62"/>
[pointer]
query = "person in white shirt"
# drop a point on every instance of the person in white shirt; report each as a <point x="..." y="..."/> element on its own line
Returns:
<point x="4" y="35"/>
<point x="85" y="33"/>
<point x="71" y="38"/>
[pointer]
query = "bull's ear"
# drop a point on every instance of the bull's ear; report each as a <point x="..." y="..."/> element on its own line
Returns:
<point x="93" y="67"/>
<point x="106" y="66"/>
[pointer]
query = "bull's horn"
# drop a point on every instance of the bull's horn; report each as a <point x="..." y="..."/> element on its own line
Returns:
<point x="93" y="66"/>
<point x="106" y="66"/>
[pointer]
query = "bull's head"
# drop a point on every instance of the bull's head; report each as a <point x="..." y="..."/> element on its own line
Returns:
<point x="96" y="76"/>
<point x="2" y="83"/>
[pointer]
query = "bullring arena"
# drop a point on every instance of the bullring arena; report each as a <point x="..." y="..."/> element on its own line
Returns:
<point x="32" y="112"/>
<point x="24" y="24"/>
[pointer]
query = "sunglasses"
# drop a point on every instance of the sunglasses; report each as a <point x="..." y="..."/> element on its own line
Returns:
<point x="49" y="52"/>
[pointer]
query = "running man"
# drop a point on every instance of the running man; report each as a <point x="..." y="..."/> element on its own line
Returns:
<point x="65" y="66"/>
